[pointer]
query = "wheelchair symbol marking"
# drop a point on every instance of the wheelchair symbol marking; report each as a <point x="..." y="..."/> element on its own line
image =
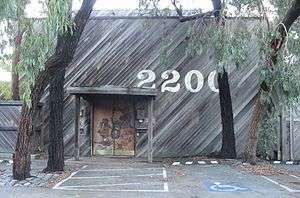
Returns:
<point x="217" y="186"/>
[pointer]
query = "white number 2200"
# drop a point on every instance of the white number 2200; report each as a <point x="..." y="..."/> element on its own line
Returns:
<point x="173" y="76"/>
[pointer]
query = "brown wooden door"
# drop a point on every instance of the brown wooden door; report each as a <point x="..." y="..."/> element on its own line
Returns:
<point x="114" y="132"/>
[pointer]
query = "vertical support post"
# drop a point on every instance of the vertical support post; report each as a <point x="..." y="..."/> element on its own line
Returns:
<point x="291" y="135"/>
<point x="285" y="138"/>
<point x="150" y="131"/>
<point x="92" y="127"/>
<point x="279" y="145"/>
<point x="77" y="117"/>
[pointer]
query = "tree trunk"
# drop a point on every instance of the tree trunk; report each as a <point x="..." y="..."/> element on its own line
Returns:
<point x="56" y="106"/>
<point x="251" y="146"/>
<point x="21" y="158"/>
<point x="276" y="45"/>
<point x="15" y="85"/>
<point x="64" y="52"/>
<point x="228" y="139"/>
<point x="67" y="45"/>
<point x="16" y="59"/>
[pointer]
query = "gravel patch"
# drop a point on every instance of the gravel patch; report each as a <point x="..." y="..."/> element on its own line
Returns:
<point x="38" y="178"/>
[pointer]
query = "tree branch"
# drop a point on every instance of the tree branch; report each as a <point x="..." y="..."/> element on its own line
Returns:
<point x="217" y="7"/>
<point x="192" y="17"/>
<point x="283" y="28"/>
<point x="291" y="16"/>
<point x="64" y="52"/>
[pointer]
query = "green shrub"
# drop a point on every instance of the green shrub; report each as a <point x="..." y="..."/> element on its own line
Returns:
<point x="5" y="90"/>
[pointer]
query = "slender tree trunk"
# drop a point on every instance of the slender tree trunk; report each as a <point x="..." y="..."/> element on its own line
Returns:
<point x="56" y="96"/>
<point x="228" y="139"/>
<point x="276" y="45"/>
<point x="16" y="59"/>
<point x="21" y="158"/>
<point x="250" y="149"/>
<point x="15" y="85"/>
<point x="56" y="106"/>
<point x="64" y="52"/>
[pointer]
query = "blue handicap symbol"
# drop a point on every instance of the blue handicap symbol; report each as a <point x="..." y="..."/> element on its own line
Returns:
<point x="225" y="187"/>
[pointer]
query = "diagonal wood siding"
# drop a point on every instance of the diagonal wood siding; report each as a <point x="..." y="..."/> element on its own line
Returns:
<point x="9" y="121"/>
<point x="112" y="52"/>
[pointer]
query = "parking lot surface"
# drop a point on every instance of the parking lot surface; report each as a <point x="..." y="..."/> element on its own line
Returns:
<point x="132" y="178"/>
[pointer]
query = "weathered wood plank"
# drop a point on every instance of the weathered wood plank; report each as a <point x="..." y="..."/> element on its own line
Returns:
<point x="112" y="90"/>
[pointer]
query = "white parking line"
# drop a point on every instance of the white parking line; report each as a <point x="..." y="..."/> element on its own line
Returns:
<point x="282" y="186"/>
<point x="103" y="185"/>
<point x="118" y="169"/>
<point x="116" y="176"/>
<point x="164" y="173"/>
<point x="166" y="187"/>
<point x="66" y="179"/>
<point x="88" y="187"/>
<point x="295" y="176"/>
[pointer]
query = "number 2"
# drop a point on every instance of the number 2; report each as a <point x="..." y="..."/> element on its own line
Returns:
<point x="146" y="76"/>
<point x="174" y="79"/>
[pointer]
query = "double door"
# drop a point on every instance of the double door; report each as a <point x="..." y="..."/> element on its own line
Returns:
<point x="113" y="128"/>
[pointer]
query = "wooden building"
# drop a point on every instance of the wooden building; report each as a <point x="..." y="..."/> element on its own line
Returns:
<point x="110" y="110"/>
<point x="107" y="113"/>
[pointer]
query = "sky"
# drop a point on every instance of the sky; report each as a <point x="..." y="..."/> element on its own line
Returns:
<point x="4" y="75"/>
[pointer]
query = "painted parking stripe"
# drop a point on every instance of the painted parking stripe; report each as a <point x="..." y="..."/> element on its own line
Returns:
<point x="88" y="187"/>
<point x="176" y="163"/>
<point x="103" y="185"/>
<point x="201" y="162"/>
<point x="166" y="187"/>
<point x="282" y="186"/>
<point x="92" y="187"/>
<point x="66" y="179"/>
<point x="164" y="173"/>
<point x="295" y="176"/>
<point x="118" y="169"/>
<point x="189" y="163"/>
<point x="116" y="176"/>
<point x="99" y="190"/>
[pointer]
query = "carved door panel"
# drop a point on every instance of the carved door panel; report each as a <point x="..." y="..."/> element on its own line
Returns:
<point x="114" y="128"/>
<point x="102" y="140"/>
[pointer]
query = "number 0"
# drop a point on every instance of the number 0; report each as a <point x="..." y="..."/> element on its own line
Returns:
<point x="211" y="81"/>
<point x="188" y="81"/>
